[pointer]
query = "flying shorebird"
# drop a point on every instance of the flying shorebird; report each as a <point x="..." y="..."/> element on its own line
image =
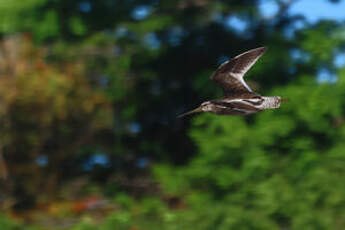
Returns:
<point x="238" y="98"/>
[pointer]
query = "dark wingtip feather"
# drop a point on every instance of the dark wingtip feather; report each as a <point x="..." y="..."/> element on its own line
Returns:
<point x="262" y="49"/>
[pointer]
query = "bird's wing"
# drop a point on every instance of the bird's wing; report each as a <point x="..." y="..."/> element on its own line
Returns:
<point x="230" y="74"/>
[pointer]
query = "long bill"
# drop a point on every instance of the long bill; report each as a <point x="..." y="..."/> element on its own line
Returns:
<point x="197" y="110"/>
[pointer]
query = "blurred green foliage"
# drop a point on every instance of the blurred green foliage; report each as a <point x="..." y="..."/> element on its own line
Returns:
<point x="90" y="91"/>
<point x="11" y="225"/>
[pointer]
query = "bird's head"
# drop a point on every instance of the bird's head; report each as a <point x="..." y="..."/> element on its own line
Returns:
<point x="206" y="106"/>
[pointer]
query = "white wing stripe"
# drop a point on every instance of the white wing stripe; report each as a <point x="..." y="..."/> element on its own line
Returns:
<point x="245" y="85"/>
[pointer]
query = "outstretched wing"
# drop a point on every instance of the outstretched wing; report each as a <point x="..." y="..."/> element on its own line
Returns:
<point x="230" y="74"/>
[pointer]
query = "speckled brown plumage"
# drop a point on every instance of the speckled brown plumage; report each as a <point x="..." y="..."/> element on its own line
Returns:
<point x="238" y="98"/>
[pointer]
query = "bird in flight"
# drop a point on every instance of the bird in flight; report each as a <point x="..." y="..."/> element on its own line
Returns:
<point x="238" y="98"/>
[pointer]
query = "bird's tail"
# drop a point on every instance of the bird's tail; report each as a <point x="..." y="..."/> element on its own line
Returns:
<point x="197" y="110"/>
<point x="283" y="100"/>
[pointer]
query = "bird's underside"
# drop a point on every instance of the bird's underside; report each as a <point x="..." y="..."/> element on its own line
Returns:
<point x="238" y="98"/>
<point x="239" y="106"/>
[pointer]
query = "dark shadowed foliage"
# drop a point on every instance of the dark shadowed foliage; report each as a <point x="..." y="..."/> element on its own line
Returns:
<point x="89" y="95"/>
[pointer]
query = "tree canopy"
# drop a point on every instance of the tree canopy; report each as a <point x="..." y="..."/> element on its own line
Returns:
<point x="89" y="95"/>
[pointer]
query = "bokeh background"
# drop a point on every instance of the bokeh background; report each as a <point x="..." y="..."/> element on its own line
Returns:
<point x="90" y="91"/>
